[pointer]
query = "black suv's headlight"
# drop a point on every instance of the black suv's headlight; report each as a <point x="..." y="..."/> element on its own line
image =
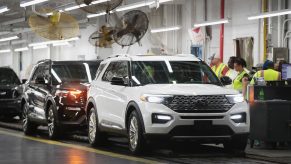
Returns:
<point x="159" y="99"/>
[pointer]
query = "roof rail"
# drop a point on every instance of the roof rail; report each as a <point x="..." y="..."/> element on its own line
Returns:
<point x="117" y="55"/>
<point x="44" y="60"/>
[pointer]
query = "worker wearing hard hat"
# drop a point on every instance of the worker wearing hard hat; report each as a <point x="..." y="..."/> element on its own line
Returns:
<point x="219" y="68"/>
<point x="268" y="73"/>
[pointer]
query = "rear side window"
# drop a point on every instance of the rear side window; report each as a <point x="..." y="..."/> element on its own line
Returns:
<point x="116" y="69"/>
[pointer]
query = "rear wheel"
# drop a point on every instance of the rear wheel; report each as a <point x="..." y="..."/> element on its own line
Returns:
<point x="96" y="138"/>
<point x="27" y="126"/>
<point x="136" y="139"/>
<point x="53" y="127"/>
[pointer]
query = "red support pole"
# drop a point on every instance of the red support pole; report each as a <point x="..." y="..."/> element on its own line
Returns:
<point x="221" y="30"/>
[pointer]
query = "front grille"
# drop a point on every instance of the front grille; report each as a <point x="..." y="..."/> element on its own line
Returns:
<point x="6" y="93"/>
<point x="191" y="130"/>
<point x="200" y="104"/>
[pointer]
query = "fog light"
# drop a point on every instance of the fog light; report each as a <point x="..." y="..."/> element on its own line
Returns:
<point x="161" y="118"/>
<point x="238" y="118"/>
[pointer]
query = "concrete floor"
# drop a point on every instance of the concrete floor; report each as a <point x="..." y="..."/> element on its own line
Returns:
<point x="15" y="148"/>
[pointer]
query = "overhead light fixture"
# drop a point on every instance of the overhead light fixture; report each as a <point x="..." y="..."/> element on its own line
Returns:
<point x="210" y="23"/>
<point x="175" y="28"/>
<point x="84" y="5"/>
<point x="96" y="15"/>
<point x="5" y="51"/>
<point x="134" y="5"/>
<point x="40" y="47"/>
<point x="270" y="14"/>
<point x="9" y="38"/>
<point x="3" y="9"/>
<point x="31" y="2"/>
<point x="21" y="49"/>
<point x="61" y="44"/>
<point x="52" y="42"/>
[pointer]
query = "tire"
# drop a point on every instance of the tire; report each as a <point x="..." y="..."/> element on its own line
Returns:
<point x="53" y="126"/>
<point x="28" y="127"/>
<point x="137" y="144"/>
<point x="95" y="136"/>
<point x="237" y="144"/>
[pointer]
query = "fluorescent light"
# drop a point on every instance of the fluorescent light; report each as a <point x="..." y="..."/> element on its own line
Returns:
<point x="61" y="44"/>
<point x="96" y="15"/>
<point x="164" y="1"/>
<point x="21" y="49"/>
<point x="134" y="5"/>
<point x="270" y="14"/>
<point x="40" y="47"/>
<point x="5" y="51"/>
<point x="209" y="23"/>
<point x="175" y="28"/>
<point x="72" y="8"/>
<point x="29" y="3"/>
<point x="53" y="42"/>
<point x="9" y="38"/>
<point x="4" y="9"/>
<point x="99" y="1"/>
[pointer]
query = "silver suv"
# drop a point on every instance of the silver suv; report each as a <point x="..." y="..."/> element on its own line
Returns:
<point x="169" y="97"/>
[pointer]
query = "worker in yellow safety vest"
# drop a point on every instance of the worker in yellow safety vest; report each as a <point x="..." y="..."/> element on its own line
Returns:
<point x="268" y="73"/>
<point x="238" y="82"/>
<point x="219" y="68"/>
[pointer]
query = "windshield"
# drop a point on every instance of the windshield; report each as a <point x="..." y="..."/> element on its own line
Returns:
<point x="7" y="76"/>
<point x="172" y="72"/>
<point x="83" y="72"/>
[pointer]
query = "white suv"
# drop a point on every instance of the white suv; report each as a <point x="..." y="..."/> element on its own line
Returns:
<point x="164" y="97"/>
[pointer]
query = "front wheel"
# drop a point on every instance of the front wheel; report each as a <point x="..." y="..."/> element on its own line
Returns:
<point x="236" y="144"/>
<point x="95" y="136"/>
<point x="53" y="127"/>
<point x="27" y="126"/>
<point x="136" y="139"/>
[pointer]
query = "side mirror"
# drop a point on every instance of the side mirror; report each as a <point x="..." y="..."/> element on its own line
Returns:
<point x="118" y="81"/>
<point x="24" y="81"/>
<point x="39" y="80"/>
<point x="225" y="80"/>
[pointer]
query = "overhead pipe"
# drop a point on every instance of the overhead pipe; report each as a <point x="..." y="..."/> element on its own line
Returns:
<point x="265" y="30"/>
<point x="221" y="48"/>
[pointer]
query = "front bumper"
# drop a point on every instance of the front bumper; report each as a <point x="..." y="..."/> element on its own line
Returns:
<point x="10" y="106"/>
<point x="208" y="126"/>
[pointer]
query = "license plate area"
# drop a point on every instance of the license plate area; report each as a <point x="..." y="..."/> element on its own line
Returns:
<point x="203" y="123"/>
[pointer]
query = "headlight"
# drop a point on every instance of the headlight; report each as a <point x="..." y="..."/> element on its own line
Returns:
<point x="235" y="98"/>
<point x="160" y="99"/>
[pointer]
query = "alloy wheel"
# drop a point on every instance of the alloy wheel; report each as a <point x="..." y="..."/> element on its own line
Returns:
<point x="133" y="133"/>
<point x="51" y="124"/>
<point x="92" y="126"/>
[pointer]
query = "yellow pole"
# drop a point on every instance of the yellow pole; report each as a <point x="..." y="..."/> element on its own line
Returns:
<point x="264" y="8"/>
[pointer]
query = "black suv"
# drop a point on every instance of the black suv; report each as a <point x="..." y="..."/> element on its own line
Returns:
<point x="10" y="91"/>
<point x="55" y="95"/>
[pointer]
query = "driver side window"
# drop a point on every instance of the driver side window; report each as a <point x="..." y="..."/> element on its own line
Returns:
<point x="116" y="69"/>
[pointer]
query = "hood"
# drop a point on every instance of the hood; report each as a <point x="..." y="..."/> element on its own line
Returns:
<point x="188" y="89"/>
<point x="73" y="86"/>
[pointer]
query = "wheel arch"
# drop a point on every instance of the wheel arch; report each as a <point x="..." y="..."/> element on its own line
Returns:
<point x="133" y="106"/>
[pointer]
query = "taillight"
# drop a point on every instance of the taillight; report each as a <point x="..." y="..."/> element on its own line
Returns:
<point x="66" y="93"/>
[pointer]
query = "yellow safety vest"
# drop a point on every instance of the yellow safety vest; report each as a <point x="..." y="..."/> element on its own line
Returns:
<point x="269" y="75"/>
<point x="218" y="70"/>
<point x="237" y="82"/>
